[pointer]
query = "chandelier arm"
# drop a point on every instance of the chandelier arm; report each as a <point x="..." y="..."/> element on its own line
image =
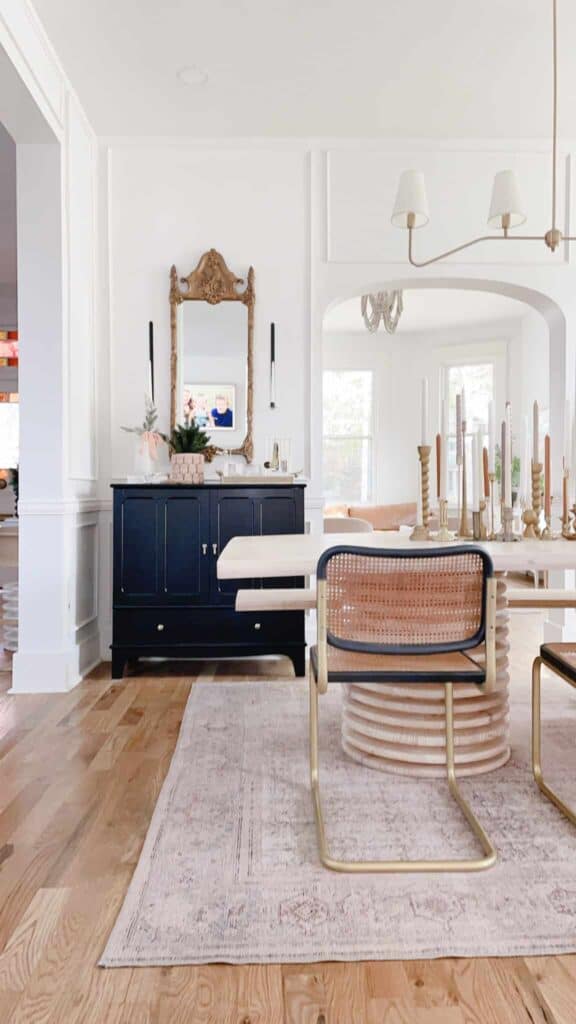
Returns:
<point x="466" y="245"/>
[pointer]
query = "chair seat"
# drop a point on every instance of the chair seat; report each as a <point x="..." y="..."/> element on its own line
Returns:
<point x="352" y="666"/>
<point x="561" y="657"/>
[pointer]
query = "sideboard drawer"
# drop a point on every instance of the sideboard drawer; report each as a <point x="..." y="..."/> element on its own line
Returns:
<point x="185" y="626"/>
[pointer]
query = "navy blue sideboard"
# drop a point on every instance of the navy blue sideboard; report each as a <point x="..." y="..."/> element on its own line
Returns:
<point x="168" y="601"/>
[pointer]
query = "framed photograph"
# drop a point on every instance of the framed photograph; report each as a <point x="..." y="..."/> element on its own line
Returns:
<point x="213" y="406"/>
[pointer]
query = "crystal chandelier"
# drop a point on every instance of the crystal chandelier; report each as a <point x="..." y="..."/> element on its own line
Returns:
<point x="506" y="212"/>
<point x="385" y="306"/>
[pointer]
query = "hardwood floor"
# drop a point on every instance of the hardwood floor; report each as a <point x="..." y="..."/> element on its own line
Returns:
<point x="79" y="777"/>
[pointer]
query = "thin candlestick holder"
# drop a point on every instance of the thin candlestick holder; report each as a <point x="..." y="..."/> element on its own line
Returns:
<point x="483" y="528"/>
<point x="507" y="534"/>
<point x="546" y="533"/>
<point x="571" y="535"/>
<point x="444" y="534"/>
<point x="492" y="532"/>
<point x="422" y="530"/>
<point x="537" y="494"/>
<point x="566" y="528"/>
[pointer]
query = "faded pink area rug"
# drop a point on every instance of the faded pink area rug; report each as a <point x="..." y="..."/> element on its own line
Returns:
<point x="229" y="869"/>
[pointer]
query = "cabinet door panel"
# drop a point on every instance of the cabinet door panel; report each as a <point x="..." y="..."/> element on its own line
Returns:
<point x="277" y="514"/>
<point x="280" y="513"/>
<point x="138" y="565"/>
<point x="234" y="515"/>
<point x="185" y="541"/>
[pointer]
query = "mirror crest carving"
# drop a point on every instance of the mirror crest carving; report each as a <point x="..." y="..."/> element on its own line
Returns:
<point x="213" y="282"/>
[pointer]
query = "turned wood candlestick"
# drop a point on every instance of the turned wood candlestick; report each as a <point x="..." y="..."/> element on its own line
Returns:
<point x="537" y="494"/>
<point x="422" y="530"/>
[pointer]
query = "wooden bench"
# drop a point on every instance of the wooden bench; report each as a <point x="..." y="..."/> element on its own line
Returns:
<point x="304" y="598"/>
<point x="276" y="600"/>
<point x="543" y="597"/>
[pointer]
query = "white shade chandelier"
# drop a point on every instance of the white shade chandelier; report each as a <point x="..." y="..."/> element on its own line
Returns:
<point x="506" y="211"/>
<point x="383" y="306"/>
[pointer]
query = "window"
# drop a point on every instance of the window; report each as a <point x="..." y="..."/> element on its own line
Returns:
<point x="477" y="380"/>
<point x="9" y="420"/>
<point x="348" y="435"/>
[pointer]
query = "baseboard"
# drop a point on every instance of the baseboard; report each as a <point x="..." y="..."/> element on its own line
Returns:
<point x="54" y="671"/>
<point x="44" y="671"/>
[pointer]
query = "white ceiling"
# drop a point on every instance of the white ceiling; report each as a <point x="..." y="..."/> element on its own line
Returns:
<point x="431" y="309"/>
<point x="372" y="68"/>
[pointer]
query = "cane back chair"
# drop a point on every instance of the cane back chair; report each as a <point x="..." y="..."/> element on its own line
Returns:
<point x="409" y="616"/>
<point x="561" y="660"/>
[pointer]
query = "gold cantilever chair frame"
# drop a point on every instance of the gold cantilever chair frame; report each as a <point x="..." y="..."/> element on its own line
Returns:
<point x="537" y="734"/>
<point x="319" y="679"/>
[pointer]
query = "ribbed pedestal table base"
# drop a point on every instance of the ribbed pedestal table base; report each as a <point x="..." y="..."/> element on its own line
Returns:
<point x="399" y="728"/>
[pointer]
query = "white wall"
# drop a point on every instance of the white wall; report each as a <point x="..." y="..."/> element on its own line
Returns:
<point x="57" y="251"/>
<point x="314" y="222"/>
<point x="168" y="205"/>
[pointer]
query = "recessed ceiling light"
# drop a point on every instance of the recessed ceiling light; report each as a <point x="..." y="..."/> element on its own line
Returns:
<point x="193" y="75"/>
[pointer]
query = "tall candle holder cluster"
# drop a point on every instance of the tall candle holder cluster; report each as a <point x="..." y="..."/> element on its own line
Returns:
<point x="491" y="513"/>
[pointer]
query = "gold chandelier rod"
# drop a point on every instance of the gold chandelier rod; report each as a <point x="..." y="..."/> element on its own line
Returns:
<point x="554" y="107"/>
<point x="554" y="236"/>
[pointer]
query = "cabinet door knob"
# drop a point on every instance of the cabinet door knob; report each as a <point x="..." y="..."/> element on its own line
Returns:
<point x="204" y="549"/>
<point x="214" y="549"/>
<point x="160" y="627"/>
<point x="257" y="625"/>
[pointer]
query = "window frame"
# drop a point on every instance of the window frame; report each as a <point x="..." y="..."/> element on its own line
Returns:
<point x="369" y="437"/>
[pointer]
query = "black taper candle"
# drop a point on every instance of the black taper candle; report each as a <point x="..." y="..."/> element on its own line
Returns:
<point x="272" y="366"/>
<point x="151" y="355"/>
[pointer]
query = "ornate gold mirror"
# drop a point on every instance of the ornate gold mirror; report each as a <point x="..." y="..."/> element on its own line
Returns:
<point x="211" y="358"/>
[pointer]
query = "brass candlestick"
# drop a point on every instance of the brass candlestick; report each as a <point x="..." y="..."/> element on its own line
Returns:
<point x="546" y="533"/>
<point x="537" y="494"/>
<point x="444" y="534"/>
<point x="464" y="530"/>
<point x="422" y="531"/>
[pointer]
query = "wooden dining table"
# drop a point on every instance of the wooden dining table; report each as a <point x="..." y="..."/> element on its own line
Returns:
<point x="399" y="728"/>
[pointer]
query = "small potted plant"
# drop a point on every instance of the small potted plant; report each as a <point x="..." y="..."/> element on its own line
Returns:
<point x="189" y="445"/>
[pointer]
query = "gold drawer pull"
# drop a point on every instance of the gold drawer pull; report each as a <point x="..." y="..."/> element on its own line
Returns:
<point x="257" y="625"/>
<point x="160" y="627"/>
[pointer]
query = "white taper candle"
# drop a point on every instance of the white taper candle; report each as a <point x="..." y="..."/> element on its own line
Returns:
<point x="458" y="429"/>
<point x="536" y="433"/>
<point x="508" y="479"/>
<point x="491" y="438"/>
<point x="444" y="451"/>
<point x="424" y="411"/>
<point x="567" y="456"/>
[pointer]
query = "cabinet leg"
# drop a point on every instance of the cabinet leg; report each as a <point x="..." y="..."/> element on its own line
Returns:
<point x="299" y="661"/>
<point x="118" y="663"/>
